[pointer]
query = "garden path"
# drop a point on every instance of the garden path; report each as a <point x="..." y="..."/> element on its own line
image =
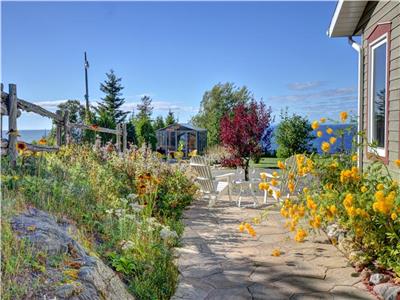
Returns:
<point x="216" y="261"/>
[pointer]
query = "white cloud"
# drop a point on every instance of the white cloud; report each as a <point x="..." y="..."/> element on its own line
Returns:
<point x="301" y="86"/>
<point x="324" y="94"/>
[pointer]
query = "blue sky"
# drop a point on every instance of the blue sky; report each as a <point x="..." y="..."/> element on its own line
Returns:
<point x="175" y="51"/>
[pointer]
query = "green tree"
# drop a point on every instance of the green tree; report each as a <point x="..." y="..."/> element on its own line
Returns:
<point x="76" y="110"/>
<point x="109" y="109"/>
<point x="170" y="118"/>
<point x="146" y="133"/>
<point x="215" y="104"/>
<point x="293" y="135"/>
<point x="159" y="123"/>
<point x="131" y="131"/>
<point x="145" y="109"/>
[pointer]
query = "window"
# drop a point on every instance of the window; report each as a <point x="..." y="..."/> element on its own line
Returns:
<point x="378" y="95"/>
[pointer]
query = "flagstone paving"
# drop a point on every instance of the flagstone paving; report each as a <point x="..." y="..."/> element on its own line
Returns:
<point x="216" y="261"/>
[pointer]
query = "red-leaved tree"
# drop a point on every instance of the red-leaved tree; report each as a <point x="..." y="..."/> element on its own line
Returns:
<point x="242" y="131"/>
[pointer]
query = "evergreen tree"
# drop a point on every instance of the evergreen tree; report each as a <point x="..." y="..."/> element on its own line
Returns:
<point x="131" y="131"/>
<point x="170" y="119"/>
<point x="109" y="110"/>
<point x="145" y="109"/>
<point x="159" y="123"/>
<point x="146" y="133"/>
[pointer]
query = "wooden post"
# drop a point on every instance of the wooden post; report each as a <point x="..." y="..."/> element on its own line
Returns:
<point x="124" y="138"/>
<point x="67" y="128"/>
<point x="118" y="138"/>
<point x="12" y="104"/>
<point x="58" y="130"/>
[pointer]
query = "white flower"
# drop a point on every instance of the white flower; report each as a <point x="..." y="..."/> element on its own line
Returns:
<point x="167" y="234"/>
<point x="132" y="196"/>
<point x="109" y="211"/>
<point x="124" y="201"/>
<point x="119" y="212"/>
<point x="130" y="217"/>
<point x="136" y="207"/>
<point x="126" y="245"/>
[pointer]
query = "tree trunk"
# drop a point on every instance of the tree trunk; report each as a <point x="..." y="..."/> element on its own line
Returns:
<point x="246" y="170"/>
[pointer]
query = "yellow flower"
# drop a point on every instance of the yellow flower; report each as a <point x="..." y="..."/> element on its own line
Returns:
<point x="278" y="194"/>
<point x="300" y="235"/>
<point x="348" y="201"/>
<point x="21" y="146"/>
<point x="325" y="147"/>
<point x="274" y="182"/>
<point x="320" y="133"/>
<point x="291" y="186"/>
<point x="263" y="175"/>
<point x="343" y="116"/>
<point x="256" y="220"/>
<point x="281" y="165"/>
<point x="393" y="216"/>
<point x="332" y="140"/>
<point x="241" y="227"/>
<point x="364" y="189"/>
<point x="329" y="130"/>
<point x="276" y="252"/>
<point x="322" y="120"/>
<point x="315" y="125"/>
<point x="354" y="157"/>
<point x="397" y="162"/>
<point x="380" y="187"/>
<point x="275" y="174"/>
<point x="333" y="209"/>
<point x="305" y="190"/>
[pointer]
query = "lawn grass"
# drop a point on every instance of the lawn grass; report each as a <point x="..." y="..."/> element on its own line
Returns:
<point x="265" y="163"/>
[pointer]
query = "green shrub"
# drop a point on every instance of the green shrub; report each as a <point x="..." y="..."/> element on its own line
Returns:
<point x="293" y="135"/>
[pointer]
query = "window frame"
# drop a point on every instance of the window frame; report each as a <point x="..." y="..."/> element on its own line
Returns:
<point x="382" y="40"/>
<point x="379" y="36"/>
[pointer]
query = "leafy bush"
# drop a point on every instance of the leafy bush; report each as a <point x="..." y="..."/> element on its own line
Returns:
<point x="366" y="204"/>
<point x="126" y="208"/>
<point x="293" y="135"/>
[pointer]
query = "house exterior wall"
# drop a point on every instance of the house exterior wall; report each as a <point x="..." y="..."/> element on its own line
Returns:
<point x="374" y="14"/>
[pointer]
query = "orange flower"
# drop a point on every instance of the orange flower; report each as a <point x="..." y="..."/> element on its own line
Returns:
<point x="276" y="252"/>
<point x="397" y="162"/>
<point x="315" y="125"/>
<point x="281" y="165"/>
<point x="343" y="116"/>
<point x="329" y="130"/>
<point x="332" y="140"/>
<point x="42" y="141"/>
<point x="325" y="147"/>
<point x="320" y="133"/>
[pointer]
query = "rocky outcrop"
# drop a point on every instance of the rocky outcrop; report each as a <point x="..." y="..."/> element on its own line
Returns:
<point x="89" y="277"/>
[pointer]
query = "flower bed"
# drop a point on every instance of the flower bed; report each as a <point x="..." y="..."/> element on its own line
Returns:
<point x="127" y="209"/>
<point x="364" y="206"/>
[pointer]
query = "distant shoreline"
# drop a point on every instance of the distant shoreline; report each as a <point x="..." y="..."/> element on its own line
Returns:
<point x="29" y="135"/>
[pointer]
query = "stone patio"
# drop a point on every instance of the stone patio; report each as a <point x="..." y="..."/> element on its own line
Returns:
<point x="216" y="261"/>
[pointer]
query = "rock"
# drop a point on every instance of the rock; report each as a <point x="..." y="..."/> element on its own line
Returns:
<point x="93" y="280"/>
<point x="378" y="278"/>
<point x="387" y="291"/>
<point x="332" y="231"/>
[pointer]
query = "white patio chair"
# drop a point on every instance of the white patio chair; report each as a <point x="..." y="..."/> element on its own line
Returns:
<point x="244" y="186"/>
<point x="283" y="179"/>
<point x="210" y="185"/>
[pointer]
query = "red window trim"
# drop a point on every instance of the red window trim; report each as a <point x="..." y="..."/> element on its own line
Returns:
<point x="379" y="31"/>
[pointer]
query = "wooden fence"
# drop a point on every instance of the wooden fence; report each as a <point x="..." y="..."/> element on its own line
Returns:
<point x="12" y="106"/>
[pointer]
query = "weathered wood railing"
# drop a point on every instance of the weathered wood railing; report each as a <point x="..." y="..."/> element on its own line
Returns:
<point x="12" y="106"/>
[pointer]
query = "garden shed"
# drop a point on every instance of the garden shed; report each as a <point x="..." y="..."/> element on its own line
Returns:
<point x="190" y="137"/>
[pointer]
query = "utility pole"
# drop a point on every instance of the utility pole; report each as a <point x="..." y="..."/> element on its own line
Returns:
<point x="87" y="89"/>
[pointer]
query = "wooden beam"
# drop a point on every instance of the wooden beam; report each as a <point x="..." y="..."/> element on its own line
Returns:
<point x="31" y="147"/>
<point x="67" y="128"/>
<point x="12" y="123"/>
<point x="30" y="107"/>
<point x="97" y="129"/>
<point x="58" y="130"/>
<point x="118" y="138"/>
<point x="124" y="138"/>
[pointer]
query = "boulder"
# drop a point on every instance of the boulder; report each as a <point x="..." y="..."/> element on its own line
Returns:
<point x="387" y="291"/>
<point x="92" y="279"/>
<point x="378" y="278"/>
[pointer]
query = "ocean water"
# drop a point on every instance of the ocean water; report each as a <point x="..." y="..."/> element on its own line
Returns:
<point x="316" y="143"/>
<point x="29" y="135"/>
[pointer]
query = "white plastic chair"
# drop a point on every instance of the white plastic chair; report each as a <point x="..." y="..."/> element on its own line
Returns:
<point x="211" y="186"/>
